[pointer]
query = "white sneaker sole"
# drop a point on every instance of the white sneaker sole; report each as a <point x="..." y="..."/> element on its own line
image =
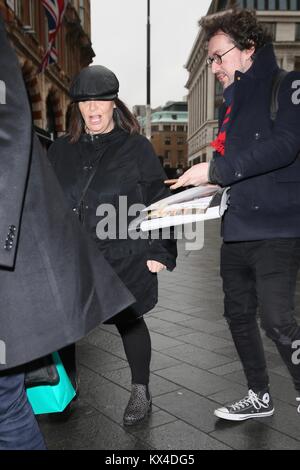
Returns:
<point x="236" y="417"/>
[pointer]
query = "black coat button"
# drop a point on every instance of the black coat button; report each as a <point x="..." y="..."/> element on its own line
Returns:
<point x="238" y="174"/>
<point x="257" y="136"/>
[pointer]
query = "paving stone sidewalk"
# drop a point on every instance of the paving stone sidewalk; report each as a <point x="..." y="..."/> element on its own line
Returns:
<point x="194" y="369"/>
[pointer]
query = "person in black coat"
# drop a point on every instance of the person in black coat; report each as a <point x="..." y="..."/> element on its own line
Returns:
<point x="47" y="302"/>
<point x="258" y="157"/>
<point x="105" y="167"/>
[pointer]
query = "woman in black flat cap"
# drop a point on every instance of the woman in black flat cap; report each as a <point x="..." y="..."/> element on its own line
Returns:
<point x="103" y="163"/>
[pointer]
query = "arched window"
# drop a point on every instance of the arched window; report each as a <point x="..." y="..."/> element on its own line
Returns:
<point x="51" y="117"/>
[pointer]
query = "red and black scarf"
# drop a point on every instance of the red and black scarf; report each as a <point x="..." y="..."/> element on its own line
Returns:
<point x="219" y="143"/>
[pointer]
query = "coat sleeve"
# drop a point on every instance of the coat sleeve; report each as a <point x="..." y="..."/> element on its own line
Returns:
<point x="277" y="151"/>
<point x="154" y="189"/>
<point x="15" y="148"/>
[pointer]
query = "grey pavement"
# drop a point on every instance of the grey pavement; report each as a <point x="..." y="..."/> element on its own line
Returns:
<point x="194" y="369"/>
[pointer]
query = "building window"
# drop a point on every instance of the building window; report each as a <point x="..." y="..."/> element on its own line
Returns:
<point x="261" y="5"/>
<point x="215" y="132"/>
<point x="250" y="4"/>
<point x="180" y="140"/>
<point x="216" y="113"/>
<point x="295" y="5"/>
<point x="155" y="128"/>
<point x="218" y="89"/>
<point x="167" y="128"/>
<point x="32" y="14"/>
<point x="180" y="128"/>
<point x="283" y="5"/>
<point x="218" y="98"/>
<point x="82" y="12"/>
<point x="203" y="158"/>
<point x="168" y="140"/>
<point x="167" y="154"/>
<point x="174" y="117"/>
<point x="20" y="9"/>
<point x="297" y="64"/>
<point x="297" y="31"/>
<point x="51" y="118"/>
<point x="270" y="28"/>
<point x="222" y="4"/>
<point x="180" y="155"/>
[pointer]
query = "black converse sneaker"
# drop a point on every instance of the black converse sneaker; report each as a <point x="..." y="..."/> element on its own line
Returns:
<point x="254" y="405"/>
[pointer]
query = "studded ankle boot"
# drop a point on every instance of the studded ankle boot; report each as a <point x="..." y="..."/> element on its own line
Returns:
<point x="139" y="405"/>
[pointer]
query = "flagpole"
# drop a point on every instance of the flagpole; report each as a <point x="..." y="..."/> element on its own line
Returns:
<point x="148" y="107"/>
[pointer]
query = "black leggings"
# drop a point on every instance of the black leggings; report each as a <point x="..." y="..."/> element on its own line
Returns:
<point x="137" y="345"/>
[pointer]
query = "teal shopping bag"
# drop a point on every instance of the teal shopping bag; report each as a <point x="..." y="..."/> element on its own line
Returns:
<point x="52" y="398"/>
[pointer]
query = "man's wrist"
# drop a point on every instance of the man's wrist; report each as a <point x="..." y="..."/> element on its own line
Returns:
<point x="213" y="176"/>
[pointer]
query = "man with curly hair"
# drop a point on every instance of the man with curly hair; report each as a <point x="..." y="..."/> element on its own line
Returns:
<point x="258" y="157"/>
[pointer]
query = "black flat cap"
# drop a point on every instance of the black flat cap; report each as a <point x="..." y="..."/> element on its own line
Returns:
<point x="94" y="83"/>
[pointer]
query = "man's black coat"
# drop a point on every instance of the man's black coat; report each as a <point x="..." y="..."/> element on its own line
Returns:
<point x="54" y="285"/>
<point x="260" y="162"/>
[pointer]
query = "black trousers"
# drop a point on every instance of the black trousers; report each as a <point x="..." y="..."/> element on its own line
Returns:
<point x="262" y="275"/>
<point x="137" y="345"/>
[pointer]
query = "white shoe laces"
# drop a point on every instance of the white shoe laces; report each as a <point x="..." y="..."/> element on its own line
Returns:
<point x="251" y="399"/>
<point x="298" y="409"/>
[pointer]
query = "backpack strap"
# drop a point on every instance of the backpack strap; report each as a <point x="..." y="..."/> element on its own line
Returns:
<point x="276" y="82"/>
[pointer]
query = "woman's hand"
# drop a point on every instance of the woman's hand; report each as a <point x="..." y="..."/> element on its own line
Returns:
<point x="155" y="267"/>
<point x="195" y="176"/>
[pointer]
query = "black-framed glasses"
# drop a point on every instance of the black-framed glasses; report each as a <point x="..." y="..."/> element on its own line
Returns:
<point x="217" y="58"/>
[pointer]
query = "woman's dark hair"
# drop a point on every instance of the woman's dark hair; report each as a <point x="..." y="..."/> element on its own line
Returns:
<point x="241" y="25"/>
<point x="123" y="118"/>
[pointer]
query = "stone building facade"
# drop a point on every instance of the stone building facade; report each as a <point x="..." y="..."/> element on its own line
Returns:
<point x="27" y="27"/>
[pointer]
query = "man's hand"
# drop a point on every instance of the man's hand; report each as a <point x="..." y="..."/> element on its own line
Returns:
<point x="195" y="176"/>
<point x="155" y="267"/>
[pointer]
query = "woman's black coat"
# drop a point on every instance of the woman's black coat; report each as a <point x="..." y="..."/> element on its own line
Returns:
<point x="126" y="166"/>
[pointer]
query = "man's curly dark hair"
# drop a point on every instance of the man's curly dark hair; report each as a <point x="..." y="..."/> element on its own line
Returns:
<point x="241" y="25"/>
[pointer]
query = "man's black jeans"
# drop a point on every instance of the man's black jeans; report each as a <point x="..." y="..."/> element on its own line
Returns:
<point x="262" y="274"/>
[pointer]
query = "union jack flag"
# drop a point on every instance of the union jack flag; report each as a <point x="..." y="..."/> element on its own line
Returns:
<point x="55" y="10"/>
